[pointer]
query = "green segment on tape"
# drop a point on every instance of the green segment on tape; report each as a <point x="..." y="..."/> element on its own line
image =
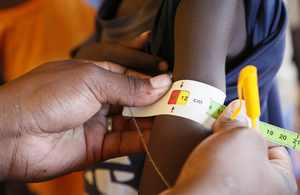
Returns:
<point x="270" y="132"/>
<point x="215" y="109"/>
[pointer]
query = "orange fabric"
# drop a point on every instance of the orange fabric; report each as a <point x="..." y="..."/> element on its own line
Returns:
<point x="72" y="184"/>
<point x="42" y="30"/>
<point x="37" y="32"/>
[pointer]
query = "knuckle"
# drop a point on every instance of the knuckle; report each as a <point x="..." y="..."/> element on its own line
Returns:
<point x="135" y="86"/>
<point x="90" y="75"/>
<point x="86" y="65"/>
<point x="87" y="69"/>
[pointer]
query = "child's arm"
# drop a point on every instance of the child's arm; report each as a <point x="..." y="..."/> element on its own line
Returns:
<point x="207" y="35"/>
<point x="265" y="167"/>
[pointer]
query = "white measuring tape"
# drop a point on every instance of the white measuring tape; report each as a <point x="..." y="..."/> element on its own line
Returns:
<point x="203" y="103"/>
<point x="186" y="98"/>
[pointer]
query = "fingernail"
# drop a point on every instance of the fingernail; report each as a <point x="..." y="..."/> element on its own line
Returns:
<point x="242" y="116"/>
<point x="162" y="66"/>
<point x="234" y="105"/>
<point x="161" y="81"/>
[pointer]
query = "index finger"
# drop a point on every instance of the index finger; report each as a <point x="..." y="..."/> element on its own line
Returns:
<point x="120" y="69"/>
<point x="122" y="55"/>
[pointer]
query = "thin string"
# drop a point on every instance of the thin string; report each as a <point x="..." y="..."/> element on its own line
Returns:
<point x="147" y="151"/>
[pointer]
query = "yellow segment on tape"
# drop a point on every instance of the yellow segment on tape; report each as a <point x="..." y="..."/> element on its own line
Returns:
<point x="183" y="97"/>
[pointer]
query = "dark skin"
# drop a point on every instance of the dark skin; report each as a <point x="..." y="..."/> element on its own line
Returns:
<point x="11" y="187"/>
<point x="119" y="124"/>
<point x="59" y="124"/>
<point x="127" y="52"/>
<point x="200" y="54"/>
<point x="233" y="149"/>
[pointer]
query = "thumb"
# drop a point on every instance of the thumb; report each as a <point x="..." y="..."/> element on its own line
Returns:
<point x="224" y="122"/>
<point x="114" y="88"/>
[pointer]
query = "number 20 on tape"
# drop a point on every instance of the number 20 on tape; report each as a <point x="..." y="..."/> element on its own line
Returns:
<point x="179" y="97"/>
<point x="270" y="132"/>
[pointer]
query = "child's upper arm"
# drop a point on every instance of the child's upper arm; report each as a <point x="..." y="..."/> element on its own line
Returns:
<point x="205" y="33"/>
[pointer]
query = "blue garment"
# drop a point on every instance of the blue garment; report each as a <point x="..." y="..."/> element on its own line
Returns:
<point x="266" y="24"/>
<point x="95" y="3"/>
<point x="266" y="21"/>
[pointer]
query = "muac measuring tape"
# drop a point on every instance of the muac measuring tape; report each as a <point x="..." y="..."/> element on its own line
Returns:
<point x="270" y="132"/>
<point x="175" y="102"/>
<point x="247" y="83"/>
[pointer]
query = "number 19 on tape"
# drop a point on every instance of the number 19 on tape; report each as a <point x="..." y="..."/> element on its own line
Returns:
<point x="280" y="136"/>
<point x="270" y="132"/>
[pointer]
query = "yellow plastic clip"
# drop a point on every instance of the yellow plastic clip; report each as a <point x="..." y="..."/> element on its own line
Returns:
<point x="247" y="83"/>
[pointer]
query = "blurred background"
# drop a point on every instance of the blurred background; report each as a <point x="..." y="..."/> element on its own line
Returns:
<point x="33" y="32"/>
<point x="289" y="78"/>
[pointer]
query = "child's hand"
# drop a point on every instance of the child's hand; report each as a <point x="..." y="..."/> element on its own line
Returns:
<point x="127" y="52"/>
<point x="236" y="160"/>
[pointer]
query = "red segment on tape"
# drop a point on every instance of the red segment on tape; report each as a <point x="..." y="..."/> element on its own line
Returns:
<point x="174" y="96"/>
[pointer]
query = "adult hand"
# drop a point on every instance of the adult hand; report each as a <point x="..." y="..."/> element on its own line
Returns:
<point x="127" y="52"/>
<point x="54" y="117"/>
<point x="236" y="160"/>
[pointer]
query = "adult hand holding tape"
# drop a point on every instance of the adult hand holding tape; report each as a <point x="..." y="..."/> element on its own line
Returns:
<point x="55" y="125"/>
<point x="186" y="98"/>
<point x="237" y="160"/>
